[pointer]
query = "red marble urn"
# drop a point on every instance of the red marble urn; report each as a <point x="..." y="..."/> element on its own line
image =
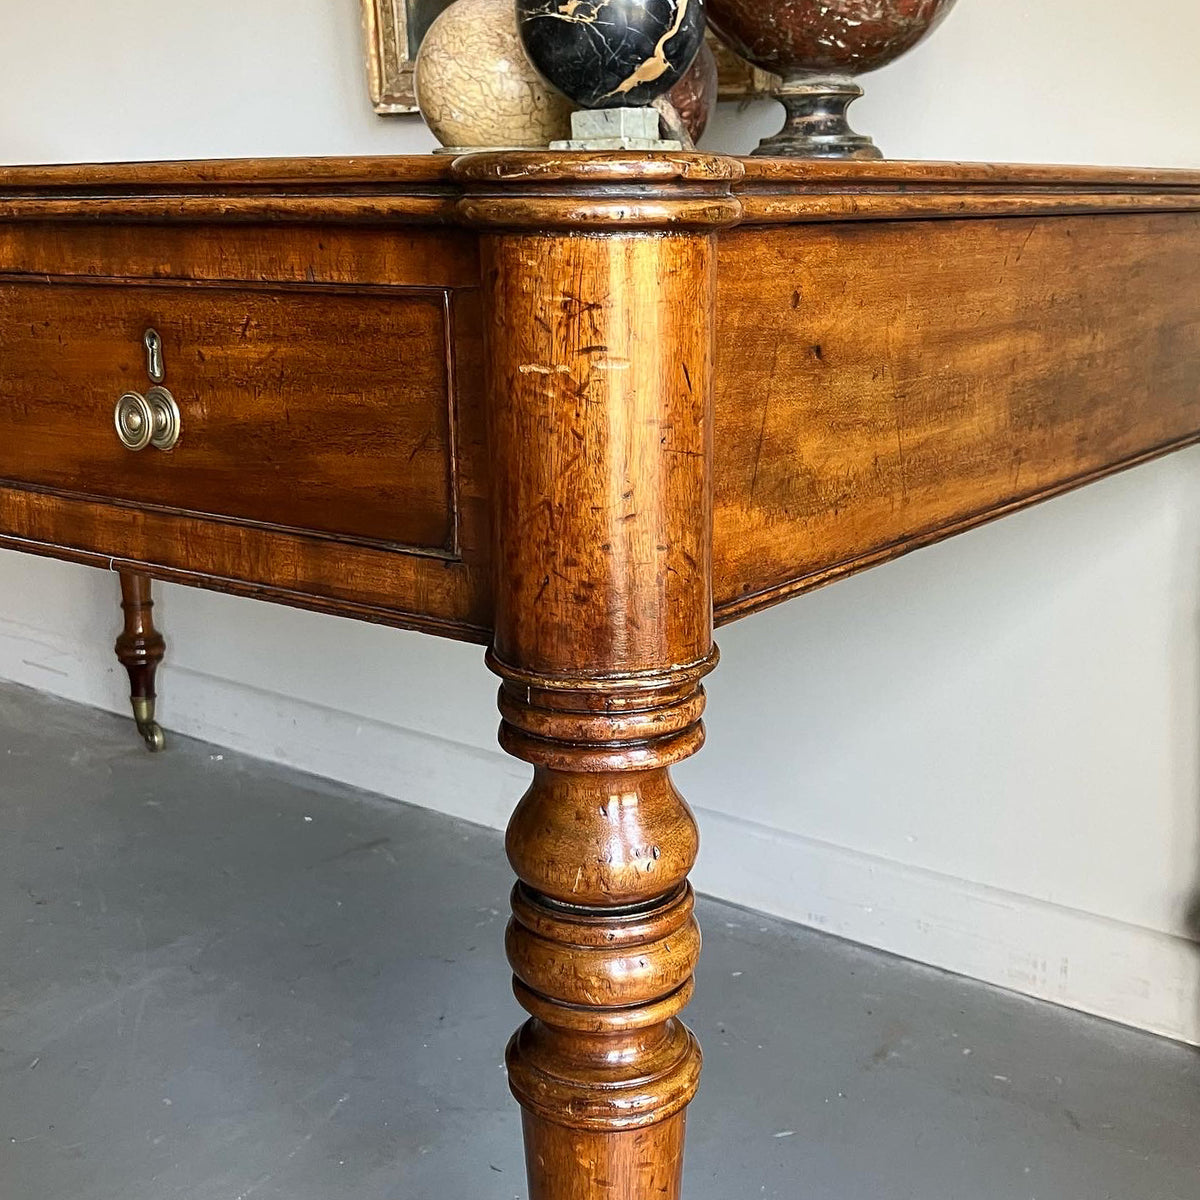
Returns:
<point x="817" y="47"/>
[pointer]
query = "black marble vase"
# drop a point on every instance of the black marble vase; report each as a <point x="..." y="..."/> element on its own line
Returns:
<point x="612" y="53"/>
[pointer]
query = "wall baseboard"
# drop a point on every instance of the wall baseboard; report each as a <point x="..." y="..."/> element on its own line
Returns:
<point x="1123" y="972"/>
<point x="1132" y="975"/>
<point x="403" y="764"/>
<point x="60" y="664"/>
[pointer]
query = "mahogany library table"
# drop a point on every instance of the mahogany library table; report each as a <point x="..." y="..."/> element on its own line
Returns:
<point x="575" y="407"/>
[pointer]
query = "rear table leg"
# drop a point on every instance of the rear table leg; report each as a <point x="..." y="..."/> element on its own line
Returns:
<point x="140" y="649"/>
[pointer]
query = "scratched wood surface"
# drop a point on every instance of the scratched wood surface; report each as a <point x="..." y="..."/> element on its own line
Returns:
<point x="988" y="335"/>
<point x="882" y="384"/>
<point x="600" y="404"/>
<point x="216" y="511"/>
<point x="312" y="409"/>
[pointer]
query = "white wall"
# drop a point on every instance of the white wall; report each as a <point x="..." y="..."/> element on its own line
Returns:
<point x="984" y="756"/>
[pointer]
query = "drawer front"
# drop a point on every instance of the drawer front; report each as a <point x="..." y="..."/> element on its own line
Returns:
<point x="321" y="409"/>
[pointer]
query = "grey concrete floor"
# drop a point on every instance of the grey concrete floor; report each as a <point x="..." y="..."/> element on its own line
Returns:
<point x="224" y="980"/>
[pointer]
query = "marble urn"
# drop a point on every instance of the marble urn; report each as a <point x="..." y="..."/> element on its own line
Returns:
<point x="818" y="47"/>
<point x="612" y="53"/>
<point x="694" y="97"/>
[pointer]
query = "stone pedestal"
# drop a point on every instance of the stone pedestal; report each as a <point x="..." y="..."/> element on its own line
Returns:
<point x="616" y="129"/>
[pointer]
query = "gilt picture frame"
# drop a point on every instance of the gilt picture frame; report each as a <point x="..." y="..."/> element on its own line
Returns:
<point x="394" y="29"/>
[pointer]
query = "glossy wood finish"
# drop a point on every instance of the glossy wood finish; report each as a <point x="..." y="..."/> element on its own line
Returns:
<point x="600" y="398"/>
<point x="669" y="388"/>
<point x="314" y="499"/>
<point x="357" y="234"/>
<point x="882" y="385"/>
<point x="140" y="648"/>
<point x="330" y="408"/>
<point x="786" y="192"/>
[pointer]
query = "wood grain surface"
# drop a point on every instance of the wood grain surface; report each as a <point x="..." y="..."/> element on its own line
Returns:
<point x="882" y="384"/>
<point x="306" y="407"/>
<point x="600" y="421"/>
<point x="989" y="335"/>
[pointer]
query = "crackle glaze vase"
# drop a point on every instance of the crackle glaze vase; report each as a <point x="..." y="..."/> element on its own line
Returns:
<point x="817" y="47"/>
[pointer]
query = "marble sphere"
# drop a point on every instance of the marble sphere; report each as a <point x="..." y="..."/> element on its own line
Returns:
<point x="477" y="88"/>
<point x="612" y="53"/>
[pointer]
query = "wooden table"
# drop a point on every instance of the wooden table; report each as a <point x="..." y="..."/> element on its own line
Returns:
<point x="574" y="407"/>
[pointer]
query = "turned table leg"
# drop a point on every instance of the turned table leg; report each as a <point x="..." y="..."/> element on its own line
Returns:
<point x="600" y="417"/>
<point x="140" y="648"/>
<point x="603" y="940"/>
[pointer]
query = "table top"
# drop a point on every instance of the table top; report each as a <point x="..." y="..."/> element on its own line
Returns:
<point x="421" y="169"/>
<point x="429" y="187"/>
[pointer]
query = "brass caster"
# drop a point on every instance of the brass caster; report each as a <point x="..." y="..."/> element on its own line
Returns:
<point x="152" y="735"/>
<point x="147" y="726"/>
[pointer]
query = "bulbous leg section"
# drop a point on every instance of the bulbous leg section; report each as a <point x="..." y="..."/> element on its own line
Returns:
<point x="140" y="648"/>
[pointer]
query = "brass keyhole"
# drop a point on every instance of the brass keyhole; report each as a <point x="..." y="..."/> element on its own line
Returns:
<point x="155" y="366"/>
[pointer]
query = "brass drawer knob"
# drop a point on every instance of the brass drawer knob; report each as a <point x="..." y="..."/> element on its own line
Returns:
<point x="134" y="421"/>
<point x="167" y="422"/>
<point x="149" y="420"/>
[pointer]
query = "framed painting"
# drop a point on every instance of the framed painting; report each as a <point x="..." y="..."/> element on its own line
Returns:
<point x="394" y="29"/>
